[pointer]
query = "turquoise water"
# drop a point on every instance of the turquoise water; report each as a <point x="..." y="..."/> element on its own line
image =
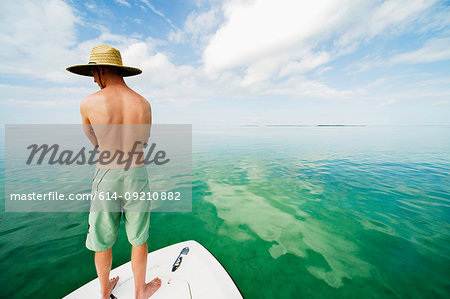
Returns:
<point x="291" y="212"/>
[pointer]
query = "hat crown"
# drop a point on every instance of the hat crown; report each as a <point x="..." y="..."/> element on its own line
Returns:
<point x="105" y="54"/>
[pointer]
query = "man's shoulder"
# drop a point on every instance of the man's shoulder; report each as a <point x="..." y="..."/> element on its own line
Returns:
<point x="105" y="94"/>
<point x="137" y="95"/>
<point x="92" y="98"/>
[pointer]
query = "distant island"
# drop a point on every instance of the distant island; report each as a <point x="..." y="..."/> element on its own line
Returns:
<point x="315" y="125"/>
<point x="340" y="125"/>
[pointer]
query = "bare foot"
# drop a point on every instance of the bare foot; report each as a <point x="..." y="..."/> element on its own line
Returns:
<point x="150" y="288"/>
<point x="112" y="284"/>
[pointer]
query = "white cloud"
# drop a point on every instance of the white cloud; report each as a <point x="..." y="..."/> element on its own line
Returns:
<point x="323" y="70"/>
<point x="198" y="28"/>
<point x="259" y="29"/>
<point x="90" y="6"/>
<point x="302" y="87"/>
<point x="309" y="62"/>
<point x="437" y="49"/>
<point x="295" y="37"/>
<point x="35" y="37"/>
<point x="123" y="2"/>
<point x="260" y="71"/>
<point x="440" y="19"/>
<point x="42" y="96"/>
<point x="442" y="103"/>
<point x="161" y="79"/>
<point x="261" y="49"/>
<point x="159" y="13"/>
<point x="367" y="19"/>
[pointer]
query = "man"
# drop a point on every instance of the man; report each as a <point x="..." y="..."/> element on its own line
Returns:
<point x="107" y="116"/>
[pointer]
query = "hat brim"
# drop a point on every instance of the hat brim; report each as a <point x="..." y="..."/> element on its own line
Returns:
<point x="85" y="69"/>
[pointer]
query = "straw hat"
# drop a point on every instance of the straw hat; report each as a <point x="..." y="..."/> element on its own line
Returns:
<point x="104" y="55"/>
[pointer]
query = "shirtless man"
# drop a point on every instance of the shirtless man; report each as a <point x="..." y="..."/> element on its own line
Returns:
<point x="116" y="103"/>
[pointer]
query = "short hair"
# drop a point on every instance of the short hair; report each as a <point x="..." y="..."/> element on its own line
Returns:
<point x="113" y="70"/>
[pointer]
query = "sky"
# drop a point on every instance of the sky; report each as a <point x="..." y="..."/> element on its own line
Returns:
<point x="232" y="62"/>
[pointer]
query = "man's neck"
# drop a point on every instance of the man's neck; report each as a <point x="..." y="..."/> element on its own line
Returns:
<point x="114" y="81"/>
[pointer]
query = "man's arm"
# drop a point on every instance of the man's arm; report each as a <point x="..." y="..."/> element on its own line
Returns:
<point x="87" y="127"/>
<point x="149" y="123"/>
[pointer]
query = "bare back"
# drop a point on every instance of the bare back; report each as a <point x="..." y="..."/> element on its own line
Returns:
<point x="118" y="117"/>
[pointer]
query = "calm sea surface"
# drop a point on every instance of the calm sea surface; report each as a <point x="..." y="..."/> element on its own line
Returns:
<point x="291" y="212"/>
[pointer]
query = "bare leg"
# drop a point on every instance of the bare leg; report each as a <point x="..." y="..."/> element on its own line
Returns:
<point x="139" y="266"/>
<point x="103" y="261"/>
